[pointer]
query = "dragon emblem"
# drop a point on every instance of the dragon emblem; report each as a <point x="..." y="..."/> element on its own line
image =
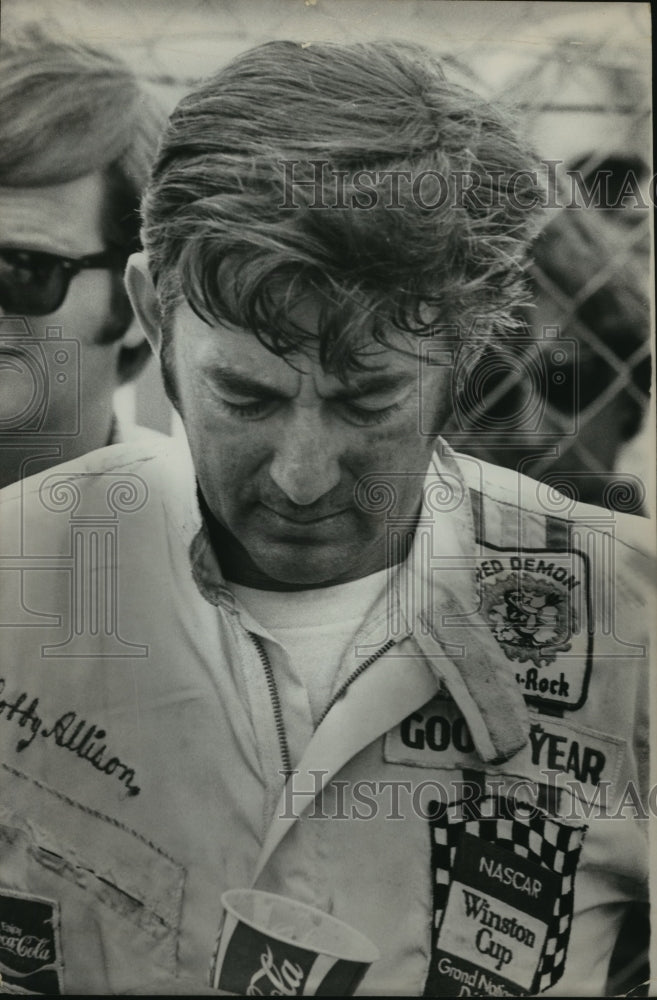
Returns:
<point x="531" y="619"/>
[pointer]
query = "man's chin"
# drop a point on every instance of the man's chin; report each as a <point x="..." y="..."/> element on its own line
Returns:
<point x="298" y="577"/>
<point x="304" y="568"/>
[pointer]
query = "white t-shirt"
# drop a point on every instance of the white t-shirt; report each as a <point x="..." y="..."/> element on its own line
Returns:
<point x="315" y="629"/>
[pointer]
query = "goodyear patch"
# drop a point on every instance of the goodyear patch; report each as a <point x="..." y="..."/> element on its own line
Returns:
<point x="537" y="605"/>
<point x="574" y="756"/>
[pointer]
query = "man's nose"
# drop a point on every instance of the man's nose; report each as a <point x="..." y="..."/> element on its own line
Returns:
<point x="306" y="461"/>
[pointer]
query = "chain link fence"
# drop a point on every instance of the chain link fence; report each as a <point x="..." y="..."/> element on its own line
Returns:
<point x="567" y="398"/>
<point x="567" y="401"/>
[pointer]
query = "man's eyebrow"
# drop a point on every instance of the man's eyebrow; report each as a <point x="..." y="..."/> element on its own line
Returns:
<point x="370" y="386"/>
<point x="244" y="384"/>
<point x="248" y="385"/>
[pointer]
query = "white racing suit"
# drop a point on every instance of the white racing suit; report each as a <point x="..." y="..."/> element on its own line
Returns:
<point x="474" y="800"/>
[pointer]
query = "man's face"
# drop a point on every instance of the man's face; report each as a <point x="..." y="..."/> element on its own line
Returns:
<point x="278" y="449"/>
<point x="65" y="219"/>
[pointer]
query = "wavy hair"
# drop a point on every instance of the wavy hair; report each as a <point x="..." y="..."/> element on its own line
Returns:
<point x="230" y="224"/>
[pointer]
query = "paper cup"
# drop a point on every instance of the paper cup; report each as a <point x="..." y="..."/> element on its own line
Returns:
<point x="274" y="946"/>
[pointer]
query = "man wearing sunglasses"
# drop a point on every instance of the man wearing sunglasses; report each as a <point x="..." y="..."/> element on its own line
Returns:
<point x="77" y="133"/>
<point x="318" y="652"/>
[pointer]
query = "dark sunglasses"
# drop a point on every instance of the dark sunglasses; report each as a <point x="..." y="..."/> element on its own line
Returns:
<point x="34" y="283"/>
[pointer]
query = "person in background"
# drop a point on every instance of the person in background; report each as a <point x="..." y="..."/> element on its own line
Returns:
<point x="564" y="412"/>
<point x="590" y="277"/>
<point x="312" y="650"/>
<point x="78" y="133"/>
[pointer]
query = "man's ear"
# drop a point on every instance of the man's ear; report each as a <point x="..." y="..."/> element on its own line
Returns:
<point x="143" y="298"/>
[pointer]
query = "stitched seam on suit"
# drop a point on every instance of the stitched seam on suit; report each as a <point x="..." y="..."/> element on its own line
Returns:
<point x="97" y="815"/>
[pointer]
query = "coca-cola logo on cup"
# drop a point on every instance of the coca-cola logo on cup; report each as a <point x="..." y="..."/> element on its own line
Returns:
<point x="271" y="980"/>
<point x="278" y="947"/>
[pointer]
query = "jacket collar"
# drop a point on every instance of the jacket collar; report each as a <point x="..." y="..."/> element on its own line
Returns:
<point x="439" y="601"/>
<point x="436" y="598"/>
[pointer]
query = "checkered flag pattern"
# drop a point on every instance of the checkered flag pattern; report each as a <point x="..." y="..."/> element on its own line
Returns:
<point x="527" y="833"/>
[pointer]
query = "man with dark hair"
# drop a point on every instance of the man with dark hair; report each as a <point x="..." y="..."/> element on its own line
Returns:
<point x="77" y="137"/>
<point x="316" y="652"/>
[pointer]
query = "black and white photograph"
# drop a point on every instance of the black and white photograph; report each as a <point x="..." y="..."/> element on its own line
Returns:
<point x="327" y="498"/>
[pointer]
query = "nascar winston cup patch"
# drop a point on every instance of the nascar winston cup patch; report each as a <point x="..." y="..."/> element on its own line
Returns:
<point x="30" y="956"/>
<point x="502" y="899"/>
<point x="537" y="605"/>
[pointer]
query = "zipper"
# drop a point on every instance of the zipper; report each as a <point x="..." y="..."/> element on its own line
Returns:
<point x="352" y="677"/>
<point x="276" y="704"/>
<point x="276" y="701"/>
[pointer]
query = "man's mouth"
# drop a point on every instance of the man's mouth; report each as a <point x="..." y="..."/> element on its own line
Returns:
<point x="303" y="518"/>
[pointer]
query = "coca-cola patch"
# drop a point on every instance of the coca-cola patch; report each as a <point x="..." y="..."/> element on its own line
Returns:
<point x="30" y="953"/>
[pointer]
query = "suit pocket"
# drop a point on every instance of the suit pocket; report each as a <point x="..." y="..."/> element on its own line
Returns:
<point x="94" y="904"/>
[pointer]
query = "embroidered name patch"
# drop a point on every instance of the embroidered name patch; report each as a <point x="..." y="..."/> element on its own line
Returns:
<point x="537" y="607"/>
<point x="30" y="953"/>
<point x="68" y="731"/>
